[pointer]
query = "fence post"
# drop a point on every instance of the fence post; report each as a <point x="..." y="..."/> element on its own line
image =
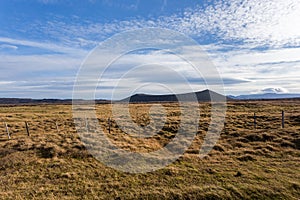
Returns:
<point x="254" y="117"/>
<point x="86" y="125"/>
<point x="109" y="124"/>
<point x="7" y="130"/>
<point x="282" y="119"/>
<point x="57" y="127"/>
<point x="27" y="128"/>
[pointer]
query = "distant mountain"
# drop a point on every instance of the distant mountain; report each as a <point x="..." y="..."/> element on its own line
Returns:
<point x="201" y="96"/>
<point x="266" y="96"/>
<point x="34" y="101"/>
<point x="28" y="101"/>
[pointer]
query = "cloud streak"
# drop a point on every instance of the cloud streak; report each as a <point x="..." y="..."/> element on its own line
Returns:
<point x="8" y="47"/>
<point x="48" y="46"/>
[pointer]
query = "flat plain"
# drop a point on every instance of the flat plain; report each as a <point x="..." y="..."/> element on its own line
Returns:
<point x="246" y="162"/>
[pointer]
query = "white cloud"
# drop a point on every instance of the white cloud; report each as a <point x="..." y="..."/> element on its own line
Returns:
<point x="48" y="46"/>
<point x="264" y="57"/>
<point x="7" y="46"/>
<point x="38" y="76"/>
<point x="244" y="24"/>
<point x="266" y="22"/>
<point x="3" y="83"/>
<point x="275" y="90"/>
<point x="240" y="70"/>
<point x="274" y="67"/>
<point x="47" y="88"/>
<point x="255" y="22"/>
<point x="39" y="62"/>
<point x="262" y="23"/>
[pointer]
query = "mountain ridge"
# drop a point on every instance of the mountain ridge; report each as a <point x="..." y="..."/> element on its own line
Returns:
<point x="266" y="96"/>
<point x="200" y="96"/>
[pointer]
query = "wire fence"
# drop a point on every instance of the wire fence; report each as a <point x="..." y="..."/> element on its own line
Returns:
<point x="250" y="121"/>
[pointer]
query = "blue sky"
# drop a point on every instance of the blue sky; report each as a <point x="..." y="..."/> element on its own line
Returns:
<point x="254" y="44"/>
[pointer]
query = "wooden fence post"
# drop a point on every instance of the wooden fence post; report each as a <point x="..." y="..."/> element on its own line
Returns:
<point x="7" y="130"/>
<point x="282" y="119"/>
<point x="57" y="127"/>
<point x="86" y="125"/>
<point x="27" y="128"/>
<point x="109" y="124"/>
<point x="254" y="117"/>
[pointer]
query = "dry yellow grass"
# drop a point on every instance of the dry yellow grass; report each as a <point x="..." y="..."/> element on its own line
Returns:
<point x="246" y="163"/>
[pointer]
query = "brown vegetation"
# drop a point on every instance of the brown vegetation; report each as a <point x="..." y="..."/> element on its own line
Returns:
<point x="246" y="163"/>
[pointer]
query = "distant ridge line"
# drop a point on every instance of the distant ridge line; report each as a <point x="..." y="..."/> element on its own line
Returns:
<point x="28" y="101"/>
<point x="201" y="96"/>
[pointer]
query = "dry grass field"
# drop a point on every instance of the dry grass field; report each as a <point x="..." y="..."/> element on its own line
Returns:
<point x="246" y="163"/>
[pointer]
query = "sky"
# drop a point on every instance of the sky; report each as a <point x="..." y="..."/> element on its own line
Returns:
<point x="254" y="44"/>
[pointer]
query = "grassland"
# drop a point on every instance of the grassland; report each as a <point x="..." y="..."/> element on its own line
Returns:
<point x="248" y="163"/>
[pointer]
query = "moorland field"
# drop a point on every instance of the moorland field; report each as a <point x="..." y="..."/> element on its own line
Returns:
<point x="246" y="163"/>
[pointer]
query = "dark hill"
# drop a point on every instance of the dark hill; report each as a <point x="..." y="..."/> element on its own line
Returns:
<point x="201" y="96"/>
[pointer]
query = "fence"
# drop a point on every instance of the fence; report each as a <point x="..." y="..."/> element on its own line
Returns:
<point x="56" y="124"/>
<point x="282" y="120"/>
<point x="28" y="127"/>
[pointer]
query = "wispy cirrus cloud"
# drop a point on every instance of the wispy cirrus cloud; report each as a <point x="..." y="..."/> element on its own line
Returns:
<point x="8" y="46"/>
<point x="269" y="22"/>
<point x="55" y="48"/>
<point x="260" y="23"/>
